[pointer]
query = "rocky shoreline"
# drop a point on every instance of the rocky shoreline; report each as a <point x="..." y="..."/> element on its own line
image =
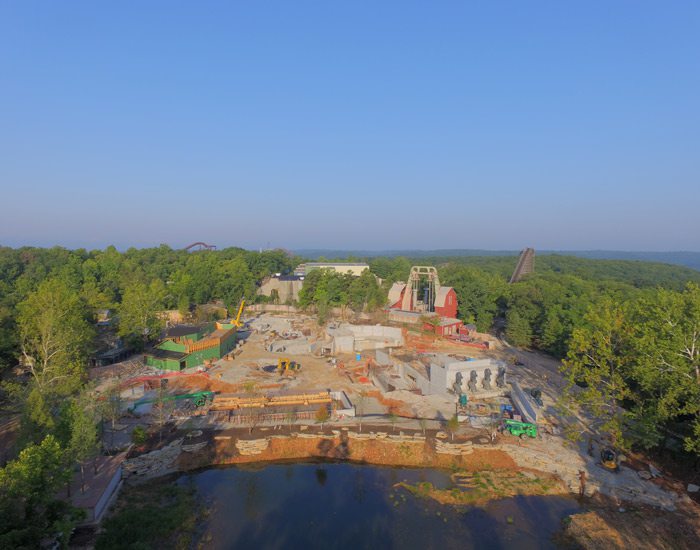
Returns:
<point x="388" y="449"/>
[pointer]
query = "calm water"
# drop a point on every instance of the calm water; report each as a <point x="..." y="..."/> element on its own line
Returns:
<point x="348" y="506"/>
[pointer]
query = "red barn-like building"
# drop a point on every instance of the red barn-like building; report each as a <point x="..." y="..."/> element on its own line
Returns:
<point x="396" y="295"/>
<point x="446" y="302"/>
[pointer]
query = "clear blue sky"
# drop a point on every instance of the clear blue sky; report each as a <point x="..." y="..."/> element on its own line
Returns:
<point x="373" y="125"/>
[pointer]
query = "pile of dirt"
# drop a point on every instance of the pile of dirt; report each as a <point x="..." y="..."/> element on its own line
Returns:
<point x="607" y="526"/>
<point x="399" y="408"/>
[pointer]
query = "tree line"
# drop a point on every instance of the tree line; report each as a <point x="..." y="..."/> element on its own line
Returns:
<point x="48" y="304"/>
<point x="629" y="334"/>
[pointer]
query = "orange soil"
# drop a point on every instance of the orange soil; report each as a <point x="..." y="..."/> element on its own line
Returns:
<point x="379" y="452"/>
<point x="395" y="406"/>
<point x="200" y="382"/>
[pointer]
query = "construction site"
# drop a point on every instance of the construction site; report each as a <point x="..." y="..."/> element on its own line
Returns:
<point x="277" y="385"/>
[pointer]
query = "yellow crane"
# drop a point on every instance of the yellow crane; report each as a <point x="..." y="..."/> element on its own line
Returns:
<point x="237" y="320"/>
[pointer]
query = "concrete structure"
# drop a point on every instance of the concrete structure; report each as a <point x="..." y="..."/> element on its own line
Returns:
<point x="283" y="289"/>
<point x="439" y="374"/>
<point x="407" y="317"/>
<point x="348" y="338"/>
<point x="354" y="268"/>
<point x="99" y="488"/>
<point x="524" y="403"/>
<point x="186" y="346"/>
<point x="470" y="377"/>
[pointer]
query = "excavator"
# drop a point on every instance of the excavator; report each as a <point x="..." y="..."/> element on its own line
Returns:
<point x="608" y="459"/>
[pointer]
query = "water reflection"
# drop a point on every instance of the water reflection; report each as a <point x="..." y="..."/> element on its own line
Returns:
<point x="321" y="476"/>
<point x="349" y="506"/>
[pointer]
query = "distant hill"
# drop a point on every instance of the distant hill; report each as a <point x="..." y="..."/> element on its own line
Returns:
<point x="686" y="259"/>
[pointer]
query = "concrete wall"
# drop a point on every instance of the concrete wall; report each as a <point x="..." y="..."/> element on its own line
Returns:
<point x="343" y="343"/>
<point x="382" y="358"/>
<point x="411" y="375"/>
<point x="375" y="331"/>
<point x="348" y="408"/>
<point x="106" y="497"/>
<point x="286" y="290"/>
<point x="443" y="373"/>
<point x="408" y="317"/>
<point x="356" y="338"/>
<point x="523" y="403"/>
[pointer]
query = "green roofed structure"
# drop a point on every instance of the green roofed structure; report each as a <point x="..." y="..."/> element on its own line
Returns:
<point x="186" y="346"/>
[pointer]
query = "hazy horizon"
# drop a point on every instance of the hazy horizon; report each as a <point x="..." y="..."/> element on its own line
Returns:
<point x="370" y="126"/>
<point x="378" y="251"/>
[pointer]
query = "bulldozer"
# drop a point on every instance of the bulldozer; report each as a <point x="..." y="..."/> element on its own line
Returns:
<point x="287" y="365"/>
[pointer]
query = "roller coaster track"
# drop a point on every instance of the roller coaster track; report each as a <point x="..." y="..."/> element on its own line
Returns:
<point x="526" y="264"/>
<point x="201" y="246"/>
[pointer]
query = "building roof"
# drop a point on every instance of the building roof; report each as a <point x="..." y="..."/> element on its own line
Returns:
<point x="166" y="354"/>
<point x="448" y="321"/>
<point x="395" y="292"/>
<point x="181" y="330"/>
<point x="441" y="295"/>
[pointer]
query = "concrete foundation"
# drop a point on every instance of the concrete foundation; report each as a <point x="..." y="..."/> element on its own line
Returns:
<point x="441" y="374"/>
<point x="470" y="377"/>
<point x="348" y="338"/>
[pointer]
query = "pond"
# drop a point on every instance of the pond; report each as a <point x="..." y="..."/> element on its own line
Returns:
<point x="355" y="506"/>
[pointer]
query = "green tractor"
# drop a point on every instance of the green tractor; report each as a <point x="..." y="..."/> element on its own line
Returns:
<point x="520" y="429"/>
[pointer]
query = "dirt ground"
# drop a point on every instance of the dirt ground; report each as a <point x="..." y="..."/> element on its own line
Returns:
<point x="253" y="368"/>
<point x="609" y="527"/>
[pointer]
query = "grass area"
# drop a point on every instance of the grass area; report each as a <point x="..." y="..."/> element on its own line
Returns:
<point x="153" y="515"/>
<point x="478" y="487"/>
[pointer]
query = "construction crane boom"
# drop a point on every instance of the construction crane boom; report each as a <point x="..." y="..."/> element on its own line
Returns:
<point x="237" y="320"/>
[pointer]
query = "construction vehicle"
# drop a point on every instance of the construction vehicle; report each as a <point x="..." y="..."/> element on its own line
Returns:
<point x="199" y="399"/>
<point x="520" y="429"/>
<point x="284" y="365"/>
<point x="536" y="394"/>
<point x="462" y="403"/>
<point x="237" y="320"/>
<point x="608" y="459"/>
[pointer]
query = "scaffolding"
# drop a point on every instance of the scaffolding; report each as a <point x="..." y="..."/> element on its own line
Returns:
<point x="410" y="295"/>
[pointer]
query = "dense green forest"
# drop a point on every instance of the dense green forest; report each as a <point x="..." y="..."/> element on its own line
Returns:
<point x="629" y="334"/>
